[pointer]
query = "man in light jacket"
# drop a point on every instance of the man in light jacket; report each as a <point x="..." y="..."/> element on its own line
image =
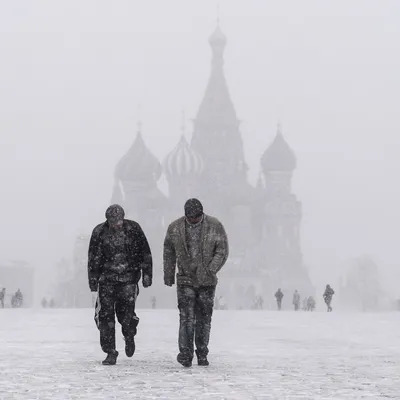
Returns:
<point x="197" y="243"/>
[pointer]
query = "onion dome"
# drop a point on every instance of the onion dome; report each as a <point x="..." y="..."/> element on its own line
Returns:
<point x="278" y="156"/>
<point x="183" y="162"/>
<point x="138" y="164"/>
<point x="217" y="38"/>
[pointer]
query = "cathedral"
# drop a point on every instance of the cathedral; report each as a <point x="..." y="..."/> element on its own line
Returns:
<point x="262" y="222"/>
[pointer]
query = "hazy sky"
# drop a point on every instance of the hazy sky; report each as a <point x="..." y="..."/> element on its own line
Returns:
<point x="73" y="72"/>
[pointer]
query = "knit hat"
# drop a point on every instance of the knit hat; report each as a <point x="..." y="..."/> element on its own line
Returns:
<point x="115" y="212"/>
<point x="193" y="208"/>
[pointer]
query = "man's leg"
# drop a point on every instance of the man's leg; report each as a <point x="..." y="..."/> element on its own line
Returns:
<point x="186" y="304"/>
<point x="203" y="311"/>
<point x="105" y="320"/>
<point x="126" y="315"/>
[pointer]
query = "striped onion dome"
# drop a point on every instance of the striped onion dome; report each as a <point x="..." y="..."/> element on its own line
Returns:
<point x="138" y="164"/>
<point x="182" y="162"/>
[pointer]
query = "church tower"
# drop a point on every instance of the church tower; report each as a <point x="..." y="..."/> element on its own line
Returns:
<point x="223" y="184"/>
<point x="216" y="136"/>
<point x="280" y="234"/>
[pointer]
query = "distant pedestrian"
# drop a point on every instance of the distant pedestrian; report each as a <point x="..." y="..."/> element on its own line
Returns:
<point x="19" y="298"/>
<point x="279" y="296"/>
<point x="310" y="304"/>
<point x="296" y="300"/>
<point x="258" y="302"/>
<point x="2" y="297"/>
<point x="44" y="302"/>
<point x="328" y="294"/>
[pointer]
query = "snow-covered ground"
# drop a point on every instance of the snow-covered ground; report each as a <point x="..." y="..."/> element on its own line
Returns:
<point x="54" y="354"/>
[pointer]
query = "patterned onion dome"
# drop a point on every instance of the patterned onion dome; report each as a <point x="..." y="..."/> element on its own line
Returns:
<point x="138" y="164"/>
<point x="183" y="161"/>
<point x="278" y="156"/>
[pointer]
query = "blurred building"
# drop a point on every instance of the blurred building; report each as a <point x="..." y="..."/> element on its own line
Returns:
<point x="361" y="288"/>
<point x="263" y="222"/>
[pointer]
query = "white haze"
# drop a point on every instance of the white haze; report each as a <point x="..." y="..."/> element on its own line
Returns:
<point x="72" y="74"/>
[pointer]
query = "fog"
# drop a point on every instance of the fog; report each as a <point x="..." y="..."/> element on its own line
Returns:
<point x="73" y="74"/>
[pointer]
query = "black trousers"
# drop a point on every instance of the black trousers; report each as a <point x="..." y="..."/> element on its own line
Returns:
<point x="279" y="303"/>
<point x="195" y="312"/>
<point x="328" y="301"/>
<point x="119" y="299"/>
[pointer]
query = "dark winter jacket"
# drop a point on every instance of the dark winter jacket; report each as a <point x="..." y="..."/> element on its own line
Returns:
<point x="213" y="253"/>
<point x="138" y="256"/>
<point x="279" y="295"/>
<point x="329" y="292"/>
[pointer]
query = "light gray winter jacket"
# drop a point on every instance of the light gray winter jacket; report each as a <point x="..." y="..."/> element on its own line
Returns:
<point x="215" y="250"/>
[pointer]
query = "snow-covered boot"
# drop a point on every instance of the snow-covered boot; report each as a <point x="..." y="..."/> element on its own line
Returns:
<point x="184" y="360"/>
<point x="202" y="359"/>
<point x="111" y="358"/>
<point x="130" y="346"/>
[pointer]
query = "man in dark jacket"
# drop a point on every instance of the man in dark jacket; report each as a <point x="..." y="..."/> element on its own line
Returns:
<point x="118" y="255"/>
<point x="279" y="297"/>
<point x="328" y="294"/>
<point x="198" y="245"/>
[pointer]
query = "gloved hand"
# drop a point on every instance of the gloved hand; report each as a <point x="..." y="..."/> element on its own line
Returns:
<point x="170" y="284"/>
<point x="146" y="281"/>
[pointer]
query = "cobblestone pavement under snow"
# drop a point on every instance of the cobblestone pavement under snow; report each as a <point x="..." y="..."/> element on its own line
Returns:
<point x="54" y="354"/>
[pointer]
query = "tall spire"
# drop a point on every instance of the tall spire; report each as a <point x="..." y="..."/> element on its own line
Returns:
<point x="139" y="120"/>
<point x="279" y="128"/>
<point x="217" y="107"/>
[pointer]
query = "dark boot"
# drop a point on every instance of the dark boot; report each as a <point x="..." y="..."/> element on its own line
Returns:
<point x="184" y="360"/>
<point x="202" y="359"/>
<point x="111" y="358"/>
<point x="130" y="346"/>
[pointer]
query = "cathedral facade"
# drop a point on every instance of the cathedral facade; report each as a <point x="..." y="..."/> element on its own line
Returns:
<point x="262" y="222"/>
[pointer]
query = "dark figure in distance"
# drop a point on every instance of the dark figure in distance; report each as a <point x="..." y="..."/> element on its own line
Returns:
<point x="19" y="298"/>
<point x="328" y="294"/>
<point x="279" y="297"/>
<point x="296" y="300"/>
<point x="2" y="297"/>
<point x="44" y="302"/>
<point x="198" y="245"/>
<point x="258" y="302"/>
<point x="153" y="302"/>
<point x="310" y="304"/>
<point x="119" y="255"/>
